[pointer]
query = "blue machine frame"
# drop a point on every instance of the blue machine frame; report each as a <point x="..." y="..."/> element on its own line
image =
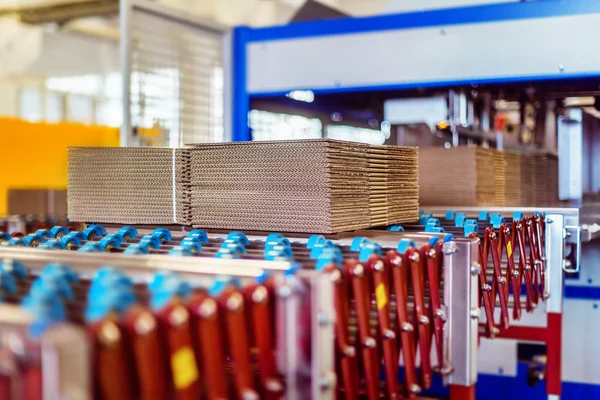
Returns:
<point x="474" y="33"/>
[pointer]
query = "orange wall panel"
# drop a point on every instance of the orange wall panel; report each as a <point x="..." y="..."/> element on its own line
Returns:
<point x="34" y="155"/>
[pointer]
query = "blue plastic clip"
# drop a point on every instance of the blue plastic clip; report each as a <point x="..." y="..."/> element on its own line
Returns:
<point x="4" y="237"/>
<point x="34" y="239"/>
<point x="483" y="216"/>
<point x="518" y="215"/>
<point x="433" y="240"/>
<point x="234" y="245"/>
<point x="496" y="220"/>
<point x="470" y="226"/>
<point x="459" y="220"/>
<point x="284" y="242"/>
<point x="13" y="267"/>
<point x="93" y="231"/>
<point x="111" y="241"/>
<point x="274" y="237"/>
<point x="358" y="243"/>
<point x="112" y="299"/>
<point x="449" y="215"/>
<point x="316" y="251"/>
<point x="150" y="242"/>
<point x="62" y="270"/>
<point x="367" y="250"/>
<point x="59" y="231"/>
<point x="181" y="252"/>
<point x="109" y="277"/>
<point x="313" y="240"/>
<point x="448" y="237"/>
<point x="278" y="253"/>
<point x="198" y="234"/>
<point x="45" y="233"/>
<point x="434" y="229"/>
<point x="128" y="232"/>
<point x="136" y="250"/>
<point x="239" y="236"/>
<point x="17" y="242"/>
<point x="281" y="244"/>
<point x="55" y="283"/>
<point x="395" y="228"/>
<point x="277" y="239"/>
<point x="46" y="308"/>
<point x="90" y="248"/>
<point x="329" y="256"/>
<point x="78" y="235"/>
<point x="162" y="234"/>
<point x="98" y="228"/>
<point x="227" y="253"/>
<point x="433" y="222"/>
<point x="405" y="244"/>
<point x="192" y="244"/>
<point x="69" y="241"/>
<point x="424" y="218"/>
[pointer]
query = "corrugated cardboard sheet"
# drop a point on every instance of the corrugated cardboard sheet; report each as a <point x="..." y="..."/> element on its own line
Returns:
<point x="321" y="186"/>
<point x="317" y="185"/>
<point x="128" y="185"/>
<point x="456" y="176"/>
<point x="471" y="176"/>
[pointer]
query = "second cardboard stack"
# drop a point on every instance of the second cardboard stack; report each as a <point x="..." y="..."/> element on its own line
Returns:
<point x="476" y="177"/>
<point x="321" y="186"/>
<point x="456" y="176"/>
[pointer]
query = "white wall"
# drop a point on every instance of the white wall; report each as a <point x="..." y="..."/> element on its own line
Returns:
<point x="64" y="54"/>
<point x="399" y="6"/>
<point x="9" y="97"/>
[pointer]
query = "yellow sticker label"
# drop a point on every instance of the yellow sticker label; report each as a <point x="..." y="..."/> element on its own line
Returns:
<point x="184" y="368"/>
<point x="380" y="296"/>
<point x="509" y="249"/>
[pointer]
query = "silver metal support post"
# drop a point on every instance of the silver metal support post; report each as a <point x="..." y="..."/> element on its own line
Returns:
<point x="227" y="86"/>
<point x="461" y="299"/>
<point x="125" y="29"/>
<point x="555" y="260"/>
<point x="453" y="116"/>
<point x="323" y="385"/>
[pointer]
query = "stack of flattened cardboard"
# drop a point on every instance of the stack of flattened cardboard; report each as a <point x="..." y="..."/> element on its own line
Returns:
<point x="394" y="191"/>
<point x="552" y="180"/>
<point x="499" y="178"/>
<point x="321" y="186"/>
<point x="127" y="185"/>
<point x="512" y="178"/>
<point x="315" y="186"/>
<point x="540" y="179"/>
<point x="469" y="176"/>
<point x="459" y="176"/>
<point x="526" y="196"/>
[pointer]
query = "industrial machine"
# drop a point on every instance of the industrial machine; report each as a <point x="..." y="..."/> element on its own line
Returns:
<point x="322" y="316"/>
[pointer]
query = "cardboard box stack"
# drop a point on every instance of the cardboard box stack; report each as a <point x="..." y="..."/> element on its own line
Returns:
<point x="460" y="176"/>
<point x="311" y="186"/>
<point x="127" y="185"/>
<point x="476" y="177"/>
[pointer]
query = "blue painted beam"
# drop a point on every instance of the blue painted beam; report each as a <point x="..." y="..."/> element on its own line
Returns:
<point x="240" y="97"/>
<point x="423" y="19"/>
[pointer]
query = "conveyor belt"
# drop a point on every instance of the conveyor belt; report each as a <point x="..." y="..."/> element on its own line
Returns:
<point x="387" y="302"/>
